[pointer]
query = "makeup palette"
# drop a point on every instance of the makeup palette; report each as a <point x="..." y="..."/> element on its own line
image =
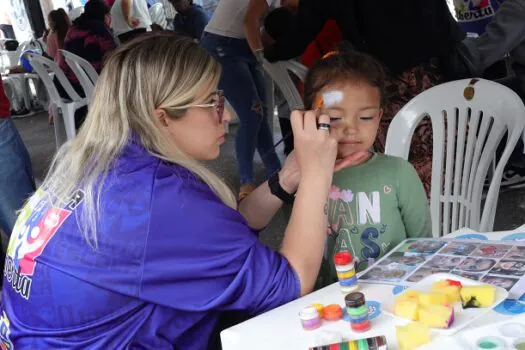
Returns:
<point x="508" y="335"/>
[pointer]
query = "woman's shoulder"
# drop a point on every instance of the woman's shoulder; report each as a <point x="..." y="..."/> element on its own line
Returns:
<point x="169" y="185"/>
<point x="135" y="159"/>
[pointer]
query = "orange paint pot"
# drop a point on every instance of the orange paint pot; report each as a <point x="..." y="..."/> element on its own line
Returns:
<point x="332" y="312"/>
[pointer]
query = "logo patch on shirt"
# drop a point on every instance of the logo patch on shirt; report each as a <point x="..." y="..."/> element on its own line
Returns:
<point x="473" y="10"/>
<point x="36" y="225"/>
<point x="5" y="331"/>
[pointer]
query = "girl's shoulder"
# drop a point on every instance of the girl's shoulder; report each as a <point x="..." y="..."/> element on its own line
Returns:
<point x="391" y="164"/>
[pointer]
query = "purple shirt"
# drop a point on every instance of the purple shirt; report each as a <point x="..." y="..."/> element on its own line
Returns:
<point x="171" y="256"/>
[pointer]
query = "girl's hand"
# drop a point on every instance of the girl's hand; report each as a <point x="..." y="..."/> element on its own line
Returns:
<point x="351" y="160"/>
<point x="290" y="174"/>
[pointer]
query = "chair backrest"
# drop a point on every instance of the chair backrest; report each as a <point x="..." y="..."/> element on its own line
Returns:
<point x="42" y="66"/>
<point x="296" y="68"/>
<point x="157" y="14"/>
<point x="86" y="74"/>
<point x="279" y="74"/>
<point x="28" y="45"/>
<point x="469" y="118"/>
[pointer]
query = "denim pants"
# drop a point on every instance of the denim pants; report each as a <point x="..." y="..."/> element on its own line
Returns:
<point x="16" y="175"/>
<point x="243" y="83"/>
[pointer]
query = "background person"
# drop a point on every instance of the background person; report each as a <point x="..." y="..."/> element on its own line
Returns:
<point x="130" y="18"/>
<point x="59" y="24"/>
<point x="190" y="20"/>
<point x="233" y="38"/>
<point x="16" y="174"/>
<point x="90" y="38"/>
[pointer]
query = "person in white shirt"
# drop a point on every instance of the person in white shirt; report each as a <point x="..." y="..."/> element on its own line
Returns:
<point x="233" y="37"/>
<point x="130" y="18"/>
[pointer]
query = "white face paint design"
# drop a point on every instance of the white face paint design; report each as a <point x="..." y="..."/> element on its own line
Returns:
<point x="332" y="98"/>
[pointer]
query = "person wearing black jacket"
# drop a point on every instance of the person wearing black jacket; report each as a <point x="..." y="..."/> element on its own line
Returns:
<point x="412" y="38"/>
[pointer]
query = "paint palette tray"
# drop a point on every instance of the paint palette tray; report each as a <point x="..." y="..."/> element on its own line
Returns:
<point x="501" y="336"/>
<point x="508" y="335"/>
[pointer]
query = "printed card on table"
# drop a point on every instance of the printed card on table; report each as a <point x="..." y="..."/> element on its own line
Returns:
<point x="497" y="263"/>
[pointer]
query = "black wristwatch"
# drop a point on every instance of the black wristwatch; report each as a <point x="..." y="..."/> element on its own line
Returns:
<point x="278" y="191"/>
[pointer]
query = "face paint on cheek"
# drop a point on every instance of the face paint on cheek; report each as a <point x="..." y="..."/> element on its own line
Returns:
<point x="332" y="98"/>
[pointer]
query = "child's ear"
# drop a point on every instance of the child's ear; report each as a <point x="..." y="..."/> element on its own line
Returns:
<point x="380" y="113"/>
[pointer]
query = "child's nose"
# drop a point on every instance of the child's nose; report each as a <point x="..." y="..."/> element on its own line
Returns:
<point x="350" y="126"/>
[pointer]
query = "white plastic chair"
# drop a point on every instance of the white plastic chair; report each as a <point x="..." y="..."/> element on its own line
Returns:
<point x="157" y="14"/>
<point x="42" y="66"/>
<point x="278" y="72"/>
<point x="28" y="45"/>
<point x="13" y="92"/>
<point x="466" y="135"/>
<point x="28" y="96"/>
<point x="86" y="74"/>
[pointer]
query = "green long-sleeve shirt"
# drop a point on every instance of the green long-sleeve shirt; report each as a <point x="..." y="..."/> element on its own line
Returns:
<point x="372" y="208"/>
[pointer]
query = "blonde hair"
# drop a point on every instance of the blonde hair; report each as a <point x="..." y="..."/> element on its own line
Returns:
<point x="161" y="71"/>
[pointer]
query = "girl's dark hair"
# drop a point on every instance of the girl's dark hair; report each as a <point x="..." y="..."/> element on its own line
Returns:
<point x="342" y="66"/>
<point x="96" y="10"/>
<point x="59" y="23"/>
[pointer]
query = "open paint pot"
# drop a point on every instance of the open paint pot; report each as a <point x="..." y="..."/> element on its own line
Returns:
<point x="490" y="343"/>
<point x="519" y="344"/>
<point x="512" y="330"/>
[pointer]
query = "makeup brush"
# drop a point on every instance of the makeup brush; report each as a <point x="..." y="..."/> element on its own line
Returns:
<point x="319" y="104"/>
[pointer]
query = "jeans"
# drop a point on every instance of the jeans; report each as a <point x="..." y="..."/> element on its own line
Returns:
<point x="16" y="175"/>
<point x="243" y="84"/>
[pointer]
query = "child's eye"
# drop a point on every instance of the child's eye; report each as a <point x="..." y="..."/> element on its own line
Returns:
<point x="335" y="120"/>
<point x="367" y="118"/>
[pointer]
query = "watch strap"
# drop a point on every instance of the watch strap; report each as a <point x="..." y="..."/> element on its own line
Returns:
<point x="278" y="191"/>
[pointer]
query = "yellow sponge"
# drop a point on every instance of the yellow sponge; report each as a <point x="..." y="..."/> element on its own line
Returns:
<point x="436" y="316"/>
<point x="409" y="295"/>
<point x="433" y="298"/>
<point x="451" y="291"/>
<point x="406" y="309"/>
<point x="412" y="335"/>
<point x="478" y="296"/>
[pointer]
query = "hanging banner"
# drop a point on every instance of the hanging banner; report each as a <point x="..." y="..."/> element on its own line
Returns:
<point x="19" y="19"/>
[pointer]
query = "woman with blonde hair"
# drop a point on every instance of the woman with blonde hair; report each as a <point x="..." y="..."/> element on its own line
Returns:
<point x="132" y="243"/>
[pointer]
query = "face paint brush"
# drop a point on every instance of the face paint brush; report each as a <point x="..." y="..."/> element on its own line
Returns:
<point x="319" y="104"/>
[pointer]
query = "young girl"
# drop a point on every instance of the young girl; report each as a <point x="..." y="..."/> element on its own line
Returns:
<point x="375" y="205"/>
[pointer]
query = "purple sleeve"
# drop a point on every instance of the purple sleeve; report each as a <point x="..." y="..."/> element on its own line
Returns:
<point x="201" y="255"/>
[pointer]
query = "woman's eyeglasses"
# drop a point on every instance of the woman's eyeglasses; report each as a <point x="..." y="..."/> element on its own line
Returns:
<point x="218" y="105"/>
